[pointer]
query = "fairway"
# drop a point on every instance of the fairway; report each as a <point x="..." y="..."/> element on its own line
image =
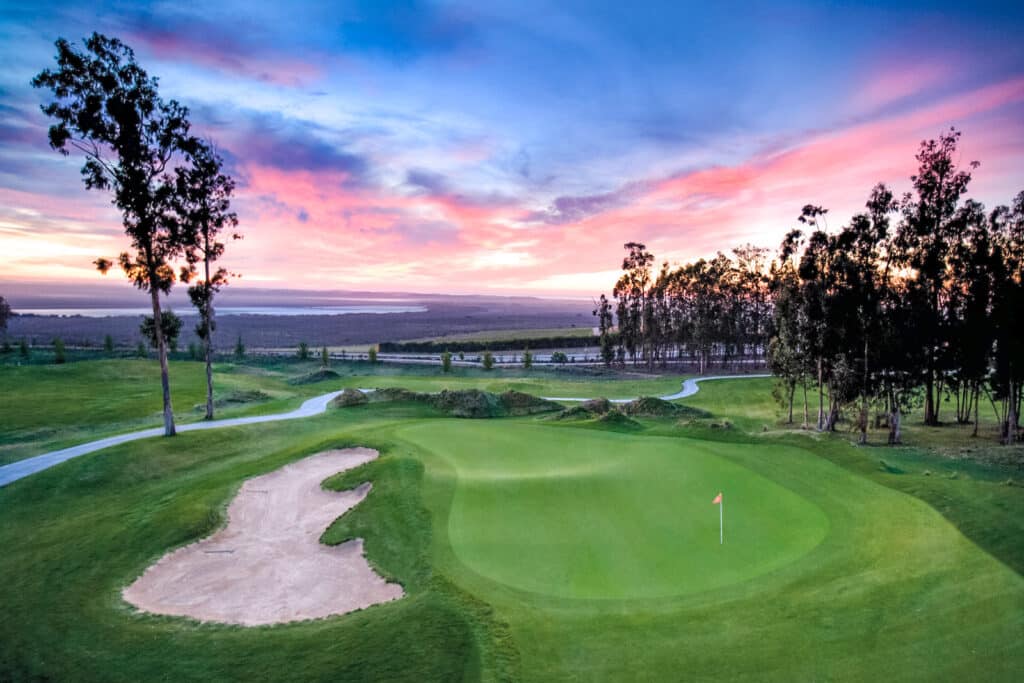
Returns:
<point x="584" y="514"/>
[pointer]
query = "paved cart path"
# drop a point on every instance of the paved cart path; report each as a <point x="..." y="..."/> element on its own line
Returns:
<point x="314" y="406"/>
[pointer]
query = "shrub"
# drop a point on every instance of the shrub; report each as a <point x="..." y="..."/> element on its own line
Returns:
<point x="108" y="344"/>
<point x="303" y="351"/>
<point x="559" y="357"/>
<point x="446" y="362"/>
<point x="193" y="351"/>
<point x="349" y="397"/>
<point x="527" y="359"/>
<point x="372" y="354"/>
<point x="23" y="348"/>
<point x="488" y="360"/>
<point x="325" y="357"/>
<point x="239" y="348"/>
<point x="140" y="351"/>
<point x="58" y="351"/>
<point x="598" y="406"/>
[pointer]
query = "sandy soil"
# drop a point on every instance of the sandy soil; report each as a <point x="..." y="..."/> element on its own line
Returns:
<point x="268" y="565"/>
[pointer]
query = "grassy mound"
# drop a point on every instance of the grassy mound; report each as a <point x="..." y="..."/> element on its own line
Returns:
<point x="322" y="375"/>
<point x="237" y="398"/>
<point x="519" y="403"/>
<point x="347" y="398"/>
<point x="574" y="413"/>
<point x="472" y="403"/>
<point x="598" y="406"/>
<point x="617" y="420"/>
<point x="649" y="406"/>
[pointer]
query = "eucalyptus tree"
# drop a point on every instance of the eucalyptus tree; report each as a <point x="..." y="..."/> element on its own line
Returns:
<point x="925" y="236"/>
<point x="631" y="292"/>
<point x="1008" y="323"/>
<point x="203" y="199"/>
<point x="108" y="108"/>
<point x="5" y="315"/>
<point x="603" y="311"/>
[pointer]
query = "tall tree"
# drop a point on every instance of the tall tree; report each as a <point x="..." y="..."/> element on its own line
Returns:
<point x="5" y="315"/>
<point x="204" y="206"/>
<point x="108" y="108"/>
<point x="925" y="236"/>
<point x="1008" y="323"/>
<point x="603" y="311"/>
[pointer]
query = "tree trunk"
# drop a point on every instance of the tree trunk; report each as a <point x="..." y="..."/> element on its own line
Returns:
<point x="821" y="395"/>
<point x="895" y="435"/>
<point x="929" y="404"/>
<point x="807" y="407"/>
<point x="792" y="392"/>
<point x="864" y="399"/>
<point x="1011" y="416"/>
<point x="161" y="347"/>
<point x="977" y="400"/>
<point x="208" y="314"/>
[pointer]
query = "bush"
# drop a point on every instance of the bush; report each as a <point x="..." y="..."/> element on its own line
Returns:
<point x="598" y="406"/>
<point x="372" y="354"/>
<point x="349" y="397"/>
<point x="108" y="344"/>
<point x="140" y="351"/>
<point x="58" y="351"/>
<point x="488" y="360"/>
<point x="23" y="348"/>
<point x="559" y="357"/>
<point x="446" y="362"/>
<point x="193" y="351"/>
<point x="239" y="348"/>
<point x="527" y="359"/>
<point x="325" y="357"/>
<point x="303" y="351"/>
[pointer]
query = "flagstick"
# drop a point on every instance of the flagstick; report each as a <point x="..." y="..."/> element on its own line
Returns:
<point x="721" y="521"/>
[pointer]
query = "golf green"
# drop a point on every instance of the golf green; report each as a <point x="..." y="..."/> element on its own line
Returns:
<point x="585" y="514"/>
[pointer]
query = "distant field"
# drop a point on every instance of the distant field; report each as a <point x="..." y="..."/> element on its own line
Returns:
<point x="505" y="335"/>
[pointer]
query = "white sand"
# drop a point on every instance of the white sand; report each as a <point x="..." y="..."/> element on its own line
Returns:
<point x="268" y="565"/>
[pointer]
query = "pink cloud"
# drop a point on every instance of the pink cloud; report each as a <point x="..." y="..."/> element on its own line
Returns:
<point x="222" y="56"/>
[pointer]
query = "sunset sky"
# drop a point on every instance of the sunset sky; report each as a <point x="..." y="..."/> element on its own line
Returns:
<point x="513" y="147"/>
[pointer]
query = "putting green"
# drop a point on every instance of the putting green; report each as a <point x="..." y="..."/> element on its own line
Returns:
<point x="575" y="513"/>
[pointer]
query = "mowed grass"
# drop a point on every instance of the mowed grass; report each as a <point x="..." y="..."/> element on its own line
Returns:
<point x="539" y="551"/>
<point x="586" y="514"/>
<point x="45" y="407"/>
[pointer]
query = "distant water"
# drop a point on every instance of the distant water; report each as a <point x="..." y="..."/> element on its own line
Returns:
<point x="230" y="310"/>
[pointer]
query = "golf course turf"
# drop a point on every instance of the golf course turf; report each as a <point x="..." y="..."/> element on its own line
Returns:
<point x="536" y="549"/>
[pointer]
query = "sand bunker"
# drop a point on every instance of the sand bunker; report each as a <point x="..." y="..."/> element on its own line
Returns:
<point x="268" y="565"/>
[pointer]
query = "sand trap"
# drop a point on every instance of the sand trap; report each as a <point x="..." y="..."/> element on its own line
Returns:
<point x="268" y="565"/>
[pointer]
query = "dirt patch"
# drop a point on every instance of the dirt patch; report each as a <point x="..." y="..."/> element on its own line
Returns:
<point x="267" y="566"/>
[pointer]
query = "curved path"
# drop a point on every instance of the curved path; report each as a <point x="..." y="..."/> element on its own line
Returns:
<point x="314" y="406"/>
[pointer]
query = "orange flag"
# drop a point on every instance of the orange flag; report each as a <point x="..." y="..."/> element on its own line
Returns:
<point x="717" y="500"/>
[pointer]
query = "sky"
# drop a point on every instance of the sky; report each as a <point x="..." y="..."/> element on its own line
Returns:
<point x="513" y="147"/>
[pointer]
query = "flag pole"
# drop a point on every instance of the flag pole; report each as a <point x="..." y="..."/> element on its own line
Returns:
<point x="721" y="521"/>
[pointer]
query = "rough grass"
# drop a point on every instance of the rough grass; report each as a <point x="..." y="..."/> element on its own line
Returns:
<point x="46" y="407"/>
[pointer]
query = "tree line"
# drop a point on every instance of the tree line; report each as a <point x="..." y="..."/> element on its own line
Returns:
<point x="169" y="185"/>
<point x="914" y="303"/>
